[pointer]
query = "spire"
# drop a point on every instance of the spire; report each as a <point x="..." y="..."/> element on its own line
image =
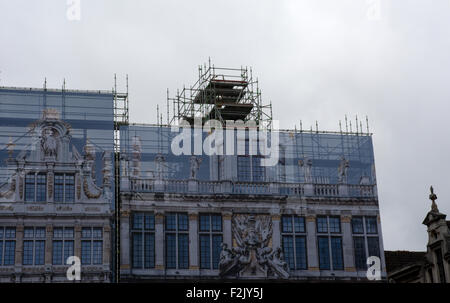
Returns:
<point x="433" y="198"/>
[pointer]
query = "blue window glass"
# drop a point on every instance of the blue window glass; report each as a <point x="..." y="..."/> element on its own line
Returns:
<point x="286" y="224"/>
<point x="373" y="245"/>
<point x="10" y="249"/>
<point x="335" y="224"/>
<point x="149" y="251"/>
<point x="357" y="225"/>
<point x="300" y="252"/>
<point x="57" y="252"/>
<point x="299" y="224"/>
<point x="336" y="252"/>
<point x="371" y="225"/>
<point x="59" y="188"/>
<point x="39" y="252"/>
<point x="288" y="251"/>
<point x="68" y="250"/>
<point x="86" y="252"/>
<point x="360" y="253"/>
<point x="27" y="252"/>
<point x="86" y="233"/>
<point x="1" y="233"/>
<point x="244" y="169"/>
<point x="183" y="251"/>
<point x="10" y="233"/>
<point x="216" y="222"/>
<point x="204" y="222"/>
<point x="324" y="253"/>
<point x="182" y="222"/>
<point x="40" y="233"/>
<point x="29" y="187"/>
<point x="1" y="252"/>
<point x="97" y="233"/>
<point x="205" y="249"/>
<point x="171" y="253"/>
<point x="41" y="188"/>
<point x="28" y="233"/>
<point x="137" y="221"/>
<point x="69" y="188"/>
<point x="322" y="225"/>
<point x="258" y="170"/>
<point x="68" y="232"/>
<point x="57" y="232"/>
<point x="137" y="250"/>
<point x="149" y="222"/>
<point x="216" y="249"/>
<point x="171" y="222"/>
<point x="97" y="252"/>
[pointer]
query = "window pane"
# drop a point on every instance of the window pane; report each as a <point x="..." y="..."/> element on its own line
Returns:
<point x="40" y="232"/>
<point x="216" y="222"/>
<point x="41" y="188"/>
<point x="1" y="252"/>
<point x="336" y="252"/>
<point x="183" y="251"/>
<point x="97" y="252"/>
<point x="70" y="188"/>
<point x="28" y="232"/>
<point x="86" y="233"/>
<point x="68" y="233"/>
<point x="357" y="225"/>
<point x="39" y="252"/>
<point x="324" y="253"/>
<point x="29" y="187"/>
<point x="149" y="251"/>
<point x="97" y="233"/>
<point x="335" y="224"/>
<point x="149" y="222"/>
<point x="299" y="224"/>
<point x="300" y="252"/>
<point x="258" y="170"/>
<point x="1" y="235"/>
<point x="216" y="249"/>
<point x="371" y="225"/>
<point x="322" y="225"/>
<point x="204" y="222"/>
<point x="182" y="222"/>
<point x="10" y="249"/>
<point x="59" y="188"/>
<point x="373" y="246"/>
<point x="244" y="172"/>
<point x="68" y="250"/>
<point x="57" y="232"/>
<point x="171" y="261"/>
<point x="27" y="252"/>
<point x="286" y="224"/>
<point x="137" y="250"/>
<point x="85" y="252"/>
<point x="171" y="223"/>
<point x="205" y="249"/>
<point x="288" y="251"/>
<point x="10" y="233"/>
<point x="360" y="253"/>
<point x="138" y="221"/>
<point x="57" y="252"/>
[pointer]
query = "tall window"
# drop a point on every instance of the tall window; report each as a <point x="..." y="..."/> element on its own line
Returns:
<point x="34" y="246"/>
<point x="64" y="188"/>
<point x="35" y="187"/>
<point x="330" y="243"/>
<point x="210" y="232"/>
<point x="143" y="240"/>
<point x="250" y="169"/>
<point x="293" y="234"/>
<point x="365" y="240"/>
<point x="63" y="239"/>
<point x="177" y="241"/>
<point x="92" y="245"/>
<point x="7" y="245"/>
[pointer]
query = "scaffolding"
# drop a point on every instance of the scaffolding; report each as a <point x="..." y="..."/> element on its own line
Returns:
<point x="221" y="94"/>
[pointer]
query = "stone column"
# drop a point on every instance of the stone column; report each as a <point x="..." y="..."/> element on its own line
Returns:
<point x="19" y="245"/>
<point x="193" y="242"/>
<point x="125" y="240"/>
<point x="227" y="236"/>
<point x="276" y="235"/>
<point x="159" y="241"/>
<point x="48" y="244"/>
<point x="77" y="242"/>
<point x="347" y="243"/>
<point x="107" y="245"/>
<point x="311" y="243"/>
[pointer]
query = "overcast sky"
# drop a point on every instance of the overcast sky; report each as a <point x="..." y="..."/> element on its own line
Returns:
<point x="315" y="60"/>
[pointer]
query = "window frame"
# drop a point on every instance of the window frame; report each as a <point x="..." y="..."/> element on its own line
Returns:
<point x="211" y="235"/>
<point x="293" y="235"/>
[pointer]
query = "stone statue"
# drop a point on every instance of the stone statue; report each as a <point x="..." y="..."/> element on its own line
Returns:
<point x="195" y="166"/>
<point x="49" y="143"/>
<point x="342" y="170"/>
<point x="159" y="159"/>
<point x="306" y="164"/>
<point x="433" y="199"/>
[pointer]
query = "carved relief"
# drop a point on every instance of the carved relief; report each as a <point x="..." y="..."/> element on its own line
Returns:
<point x="49" y="142"/>
<point x="10" y="191"/>
<point x="88" y="192"/>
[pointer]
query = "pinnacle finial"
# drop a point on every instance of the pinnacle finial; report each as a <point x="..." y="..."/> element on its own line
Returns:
<point x="433" y="198"/>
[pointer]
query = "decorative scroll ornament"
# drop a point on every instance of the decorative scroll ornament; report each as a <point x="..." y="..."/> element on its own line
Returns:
<point x="252" y="257"/>
<point x="88" y="192"/>
<point x="11" y="190"/>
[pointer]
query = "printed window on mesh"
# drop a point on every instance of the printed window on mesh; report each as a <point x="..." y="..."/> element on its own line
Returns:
<point x="294" y="241"/>
<point x="34" y="246"/>
<point x="35" y="187"/>
<point x="210" y="240"/>
<point x="91" y="245"/>
<point x="63" y="245"/>
<point x="7" y="246"/>
<point x="64" y="189"/>
<point x="143" y="240"/>
<point x="177" y="241"/>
